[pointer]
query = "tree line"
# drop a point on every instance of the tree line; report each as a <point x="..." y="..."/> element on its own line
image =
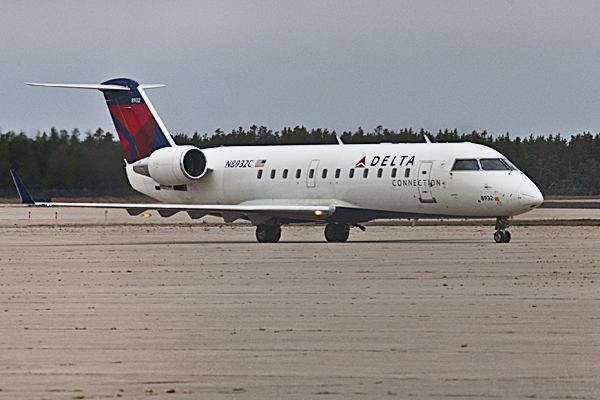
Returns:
<point x="71" y="164"/>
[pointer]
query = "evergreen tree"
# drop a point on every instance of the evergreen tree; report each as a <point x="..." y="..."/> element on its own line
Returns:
<point x="62" y="162"/>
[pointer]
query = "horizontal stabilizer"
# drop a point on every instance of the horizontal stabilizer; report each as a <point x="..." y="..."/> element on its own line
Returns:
<point x="92" y="86"/>
<point x="151" y="86"/>
<point x="81" y="86"/>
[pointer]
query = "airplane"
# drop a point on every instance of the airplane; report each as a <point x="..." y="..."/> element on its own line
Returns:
<point x="339" y="185"/>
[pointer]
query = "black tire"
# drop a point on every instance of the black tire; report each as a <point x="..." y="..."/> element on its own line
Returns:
<point x="275" y="234"/>
<point x="330" y="233"/>
<point x="337" y="232"/>
<point x="506" y="237"/>
<point x="262" y="234"/>
<point x="268" y="233"/>
<point x="343" y="232"/>
<point x="499" y="237"/>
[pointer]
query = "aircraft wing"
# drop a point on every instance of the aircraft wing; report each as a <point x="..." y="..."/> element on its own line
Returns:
<point x="257" y="213"/>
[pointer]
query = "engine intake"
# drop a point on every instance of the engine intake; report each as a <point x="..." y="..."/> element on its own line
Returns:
<point x="173" y="165"/>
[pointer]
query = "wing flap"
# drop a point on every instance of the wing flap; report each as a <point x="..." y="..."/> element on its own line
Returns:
<point x="168" y="213"/>
<point x="135" y="211"/>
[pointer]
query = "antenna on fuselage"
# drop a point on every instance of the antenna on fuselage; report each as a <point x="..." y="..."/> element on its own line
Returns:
<point x="426" y="138"/>
<point x="339" y="139"/>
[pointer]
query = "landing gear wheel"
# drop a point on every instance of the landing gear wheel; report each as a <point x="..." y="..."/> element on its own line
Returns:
<point x="502" y="236"/>
<point x="337" y="232"/>
<point x="498" y="237"/>
<point x="268" y="233"/>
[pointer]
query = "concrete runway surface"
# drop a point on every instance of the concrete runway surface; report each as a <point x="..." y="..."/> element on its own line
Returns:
<point x="201" y="311"/>
<point x="18" y="215"/>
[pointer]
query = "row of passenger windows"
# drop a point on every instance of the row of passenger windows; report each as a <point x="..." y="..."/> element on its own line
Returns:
<point x="337" y="174"/>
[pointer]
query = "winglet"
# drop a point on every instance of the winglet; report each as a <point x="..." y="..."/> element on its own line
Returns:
<point x="25" y="196"/>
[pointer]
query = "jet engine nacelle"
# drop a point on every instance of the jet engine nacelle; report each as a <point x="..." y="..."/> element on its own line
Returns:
<point x="173" y="165"/>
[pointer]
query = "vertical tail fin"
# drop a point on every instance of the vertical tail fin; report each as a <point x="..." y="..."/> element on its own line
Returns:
<point x="140" y="129"/>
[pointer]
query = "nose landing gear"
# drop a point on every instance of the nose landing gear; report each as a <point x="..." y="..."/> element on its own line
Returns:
<point x="502" y="235"/>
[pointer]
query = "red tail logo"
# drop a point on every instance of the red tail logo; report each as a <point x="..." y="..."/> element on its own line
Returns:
<point x="361" y="163"/>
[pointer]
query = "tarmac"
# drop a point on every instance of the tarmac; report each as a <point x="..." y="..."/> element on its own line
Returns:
<point x="180" y="309"/>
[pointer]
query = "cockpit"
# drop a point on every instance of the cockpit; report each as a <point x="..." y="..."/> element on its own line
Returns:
<point x="483" y="164"/>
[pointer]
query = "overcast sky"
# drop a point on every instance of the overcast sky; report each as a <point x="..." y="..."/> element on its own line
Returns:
<point x="503" y="66"/>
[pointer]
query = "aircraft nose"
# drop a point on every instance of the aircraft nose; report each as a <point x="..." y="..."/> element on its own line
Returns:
<point x="529" y="195"/>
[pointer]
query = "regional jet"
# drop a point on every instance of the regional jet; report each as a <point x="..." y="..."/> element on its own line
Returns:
<point x="340" y="186"/>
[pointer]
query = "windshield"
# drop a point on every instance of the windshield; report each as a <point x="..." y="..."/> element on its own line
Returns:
<point x="510" y="165"/>
<point x="465" y="165"/>
<point x="493" y="164"/>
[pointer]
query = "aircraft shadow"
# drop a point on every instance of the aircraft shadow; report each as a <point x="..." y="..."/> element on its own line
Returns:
<point x="457" y="241"/>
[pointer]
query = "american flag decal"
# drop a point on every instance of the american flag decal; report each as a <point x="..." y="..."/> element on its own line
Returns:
<point x="260" y="163"/>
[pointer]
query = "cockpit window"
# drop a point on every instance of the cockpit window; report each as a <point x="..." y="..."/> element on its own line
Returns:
<point x="465" y="165"/>
<point x="493" y="164"/>
<point x="509" y="164"/>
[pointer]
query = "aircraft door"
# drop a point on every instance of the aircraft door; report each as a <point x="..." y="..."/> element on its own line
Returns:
<point x="311" y="174"/>
<point x="423" y="182"/>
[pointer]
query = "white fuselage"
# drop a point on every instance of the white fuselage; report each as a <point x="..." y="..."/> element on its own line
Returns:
<point x="403" y="180"/>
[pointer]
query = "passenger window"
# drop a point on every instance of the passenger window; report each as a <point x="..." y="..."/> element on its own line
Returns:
<point x="366" y="172"/>
<point x="465" y="165"/>
<point x="351" y="173"/>
<point x="337" y="173"/>
<point x="394" y="172"/>
<point x="272" y="174"/>
<point x="311" y="174"/>
<point x="407" y="172"/>
<point x="298" y="173"/>
<point x="492" y="164"/>
<point x="380" y="172"/>
<point x="259" y="174"/>
<point x="324" y="174"/>
<point x="284" y="174"/>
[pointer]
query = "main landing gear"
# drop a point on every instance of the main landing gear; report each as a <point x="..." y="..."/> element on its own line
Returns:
<point x="268" y="233"/>
<point x="502" y="235"/>
<point x="337" y="232"/>
<point x="334" y="232"/>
